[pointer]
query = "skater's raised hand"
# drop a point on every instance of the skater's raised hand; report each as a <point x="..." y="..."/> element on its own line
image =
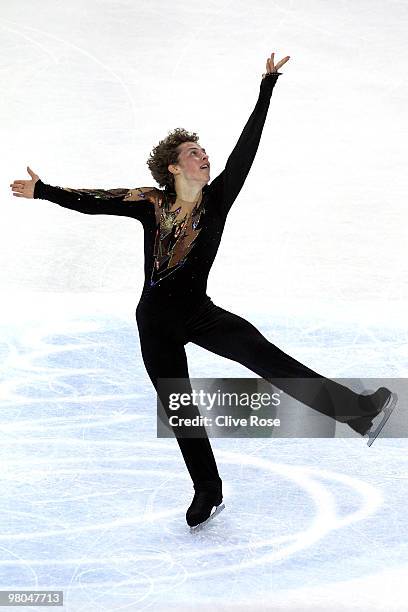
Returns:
<point x="270" y="64"/>
<point x="25" y="189"/>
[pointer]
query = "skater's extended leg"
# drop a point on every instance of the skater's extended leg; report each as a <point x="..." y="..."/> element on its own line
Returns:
<point x="233" y="337"/>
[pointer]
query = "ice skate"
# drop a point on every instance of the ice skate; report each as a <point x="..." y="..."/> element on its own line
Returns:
<point x="387" y="408"/>
<point x="217" y="510"/>
<point x="373" y="404"/>
<point x="205" y="498"/>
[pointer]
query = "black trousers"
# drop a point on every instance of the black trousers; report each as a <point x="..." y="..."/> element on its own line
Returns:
<point x="164" y="334"/>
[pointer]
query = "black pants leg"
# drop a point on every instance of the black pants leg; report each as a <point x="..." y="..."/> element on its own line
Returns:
<point x="164" y="356"/>
<point x="233" y="337"/>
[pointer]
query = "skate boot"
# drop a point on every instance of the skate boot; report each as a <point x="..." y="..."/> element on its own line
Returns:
<point x="207" y="495"/>
<point x="383" y="400"/>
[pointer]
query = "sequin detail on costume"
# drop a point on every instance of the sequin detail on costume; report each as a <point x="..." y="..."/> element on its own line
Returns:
<point x="133" y="195"/>
<point x="174" y="239"/>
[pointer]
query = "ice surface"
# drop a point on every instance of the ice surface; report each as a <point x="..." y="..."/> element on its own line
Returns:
<point x="94" y="504"/>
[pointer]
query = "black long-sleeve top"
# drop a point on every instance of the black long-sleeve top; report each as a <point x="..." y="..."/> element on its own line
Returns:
<point x="177" y="258"/>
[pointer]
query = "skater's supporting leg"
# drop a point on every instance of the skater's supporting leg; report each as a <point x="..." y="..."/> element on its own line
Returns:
<point x="165" y="357"/>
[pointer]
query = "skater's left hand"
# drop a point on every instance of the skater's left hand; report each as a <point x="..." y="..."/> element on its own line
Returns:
<point x="270" y="66"/>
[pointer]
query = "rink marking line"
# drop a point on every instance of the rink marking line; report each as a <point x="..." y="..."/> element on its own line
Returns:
<point x="326" y="519"/>
<point x="73" y="400"/>
<point x="94" y="422"/>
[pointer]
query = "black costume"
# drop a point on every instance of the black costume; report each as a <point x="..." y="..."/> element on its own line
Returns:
<point x="174" y="308"/>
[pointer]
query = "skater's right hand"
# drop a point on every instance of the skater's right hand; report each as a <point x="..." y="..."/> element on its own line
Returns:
<point x="25" y="189"/>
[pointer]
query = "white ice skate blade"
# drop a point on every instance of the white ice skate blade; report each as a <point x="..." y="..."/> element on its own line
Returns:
<point x="201" y="525"/>
<point x="387" y="410"/>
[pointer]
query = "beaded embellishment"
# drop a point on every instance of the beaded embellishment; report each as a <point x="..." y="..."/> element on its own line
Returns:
<point x="174" y="239"/>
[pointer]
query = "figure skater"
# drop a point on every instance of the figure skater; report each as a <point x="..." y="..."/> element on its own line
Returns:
<point x="183" y="223"/>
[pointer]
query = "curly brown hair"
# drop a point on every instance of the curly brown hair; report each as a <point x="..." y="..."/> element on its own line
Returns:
<point x="165" y="153"/>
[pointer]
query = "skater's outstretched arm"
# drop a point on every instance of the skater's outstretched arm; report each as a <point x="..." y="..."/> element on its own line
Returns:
<point x="228" y="184"/>
<point x="120" y="201"/>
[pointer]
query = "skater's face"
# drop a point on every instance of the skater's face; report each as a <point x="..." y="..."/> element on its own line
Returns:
<point x="191" y="158"/>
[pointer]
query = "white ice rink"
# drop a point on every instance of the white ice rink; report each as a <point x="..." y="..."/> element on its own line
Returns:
<point x="314" y="254"/>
